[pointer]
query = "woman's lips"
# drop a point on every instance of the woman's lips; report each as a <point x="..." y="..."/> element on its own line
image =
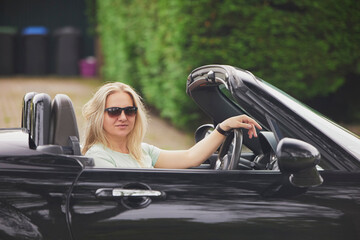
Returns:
<point x="121" y="125"/>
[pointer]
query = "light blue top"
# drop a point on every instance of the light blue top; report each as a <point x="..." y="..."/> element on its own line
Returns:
<point x="104" y="157"/>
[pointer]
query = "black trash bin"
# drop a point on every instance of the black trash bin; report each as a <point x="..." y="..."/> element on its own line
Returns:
<point x="67" y="51"/>
<point x="35" y="40"/>
<point x="7" y="50"/>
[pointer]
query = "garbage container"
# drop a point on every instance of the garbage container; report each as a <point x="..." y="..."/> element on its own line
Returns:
<point x="7" y="50"/>
<point x="35" y="39"/>
<point x="67" y="51"/>
<point x="88" y="67"/>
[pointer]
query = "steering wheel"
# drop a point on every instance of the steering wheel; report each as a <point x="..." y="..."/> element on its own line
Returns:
<point x="230" y="151"/>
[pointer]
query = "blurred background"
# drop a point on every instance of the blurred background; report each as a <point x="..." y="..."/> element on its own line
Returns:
<point x="309" y="49"/>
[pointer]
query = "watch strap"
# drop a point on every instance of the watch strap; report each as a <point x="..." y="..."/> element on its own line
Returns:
<point x="222" y="131"/>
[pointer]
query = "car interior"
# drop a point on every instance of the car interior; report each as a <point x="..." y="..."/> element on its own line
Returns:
<point x="53" y="129"/>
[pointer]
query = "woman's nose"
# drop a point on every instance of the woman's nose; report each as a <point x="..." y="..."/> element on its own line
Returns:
<point x="122" y="116"/>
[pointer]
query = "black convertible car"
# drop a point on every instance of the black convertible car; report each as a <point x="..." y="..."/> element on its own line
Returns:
<point x="300" y="179"/>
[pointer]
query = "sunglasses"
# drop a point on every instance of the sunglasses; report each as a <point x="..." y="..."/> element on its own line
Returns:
<point x="116" y="111"/>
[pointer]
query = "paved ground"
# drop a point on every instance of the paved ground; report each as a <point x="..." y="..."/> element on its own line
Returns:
<point x="12" y="90"/>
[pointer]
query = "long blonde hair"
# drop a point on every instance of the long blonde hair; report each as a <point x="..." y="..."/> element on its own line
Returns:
<point x="94" y="109"/>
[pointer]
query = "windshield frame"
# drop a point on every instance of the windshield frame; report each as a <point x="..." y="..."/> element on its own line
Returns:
<point x="337" y="133"/>
<point x="264" y="101"/>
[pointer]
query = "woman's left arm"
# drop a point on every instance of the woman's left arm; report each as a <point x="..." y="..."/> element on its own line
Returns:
<point x="202" y="150"/>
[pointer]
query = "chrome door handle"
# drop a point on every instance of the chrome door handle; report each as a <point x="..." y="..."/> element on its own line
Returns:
<point x="106" y="193"/>
<point x="119" y="192"/>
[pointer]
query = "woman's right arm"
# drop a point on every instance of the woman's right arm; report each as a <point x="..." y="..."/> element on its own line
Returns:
<point x="205" y="148"/>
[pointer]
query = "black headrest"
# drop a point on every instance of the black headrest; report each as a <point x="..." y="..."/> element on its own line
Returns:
<point x="40" y="119"/>
<point x="26" y="110"/>
<point x="63" y="120"/>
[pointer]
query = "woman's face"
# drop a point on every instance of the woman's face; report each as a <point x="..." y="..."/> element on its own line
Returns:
<point x="118" y="127"/>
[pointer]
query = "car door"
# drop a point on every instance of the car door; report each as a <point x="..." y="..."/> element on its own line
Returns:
<point x="201" y="204"/>
<point x="33" y="195"/>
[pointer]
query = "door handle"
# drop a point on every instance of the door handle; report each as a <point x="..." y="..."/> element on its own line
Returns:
<point x="136" y="193"/>
<point x="111" y="193"/>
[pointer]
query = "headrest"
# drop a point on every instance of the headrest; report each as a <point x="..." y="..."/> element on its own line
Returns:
<point x="26" y="110"/>
<point x="63" y="120"/>
<point x="40" y="119"/>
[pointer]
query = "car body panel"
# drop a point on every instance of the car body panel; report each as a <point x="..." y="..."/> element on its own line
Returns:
<point x="208" y="204"/>
<point x="34" y="188"/>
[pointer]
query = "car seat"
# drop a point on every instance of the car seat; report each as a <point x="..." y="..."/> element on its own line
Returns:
<point x="26" y="110"/>
<point x="52" y="124"/>
<point x="63" y="125"/>
<point x="40" y="119"/>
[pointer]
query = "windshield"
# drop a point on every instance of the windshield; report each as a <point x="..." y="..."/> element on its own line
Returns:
<point x="338" y="134"/>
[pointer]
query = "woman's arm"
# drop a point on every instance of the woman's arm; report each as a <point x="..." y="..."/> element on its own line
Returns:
<point x="202" y="150"/>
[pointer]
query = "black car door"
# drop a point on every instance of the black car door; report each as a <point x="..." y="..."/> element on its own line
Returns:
<point x="34" y="189"/>
<point x="202" y="204"/>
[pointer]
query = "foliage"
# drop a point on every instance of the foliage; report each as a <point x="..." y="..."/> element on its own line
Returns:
<point x="306" y="48"/>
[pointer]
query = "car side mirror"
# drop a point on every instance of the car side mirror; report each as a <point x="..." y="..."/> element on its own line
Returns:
<point x="299" y="159"/>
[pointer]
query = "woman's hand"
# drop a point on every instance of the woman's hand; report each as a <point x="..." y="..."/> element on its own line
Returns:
<point x="241" y="121"/>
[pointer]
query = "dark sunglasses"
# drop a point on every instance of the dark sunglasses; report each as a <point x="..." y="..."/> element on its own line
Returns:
<point x="116" y="111"/>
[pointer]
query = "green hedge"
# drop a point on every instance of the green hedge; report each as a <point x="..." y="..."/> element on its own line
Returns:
<point x="305" y="48"/>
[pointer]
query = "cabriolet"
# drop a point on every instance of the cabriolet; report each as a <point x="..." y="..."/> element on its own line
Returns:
<point x="300" y="179"/>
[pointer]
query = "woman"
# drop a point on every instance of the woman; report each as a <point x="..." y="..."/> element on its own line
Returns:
<point x="116" y="126"/>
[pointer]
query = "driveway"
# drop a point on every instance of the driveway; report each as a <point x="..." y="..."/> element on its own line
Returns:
<point x="12" y="90"/>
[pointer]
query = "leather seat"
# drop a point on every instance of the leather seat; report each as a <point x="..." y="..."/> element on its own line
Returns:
<point x="40" y="119"/>
<point x="63" y="125"/>
<point x="26" y="110"/>
<point x="52" y="124"/>
<point x="63" y="120"/>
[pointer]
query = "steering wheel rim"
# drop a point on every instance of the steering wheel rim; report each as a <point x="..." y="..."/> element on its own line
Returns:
<point x="235" y="139"/>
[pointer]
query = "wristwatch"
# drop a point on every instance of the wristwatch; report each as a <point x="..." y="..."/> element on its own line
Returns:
<point x="222" y="131"/>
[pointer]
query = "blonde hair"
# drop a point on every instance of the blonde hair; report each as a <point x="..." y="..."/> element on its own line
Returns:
<point x="94" y="109"/>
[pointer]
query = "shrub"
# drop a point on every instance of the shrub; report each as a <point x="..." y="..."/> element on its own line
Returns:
<point x="306" y="48"/>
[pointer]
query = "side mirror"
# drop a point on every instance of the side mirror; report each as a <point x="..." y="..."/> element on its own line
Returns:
<point x="299" y="159"/>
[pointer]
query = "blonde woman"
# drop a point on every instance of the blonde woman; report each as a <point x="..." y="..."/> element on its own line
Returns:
<point x="116" y="126"/>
